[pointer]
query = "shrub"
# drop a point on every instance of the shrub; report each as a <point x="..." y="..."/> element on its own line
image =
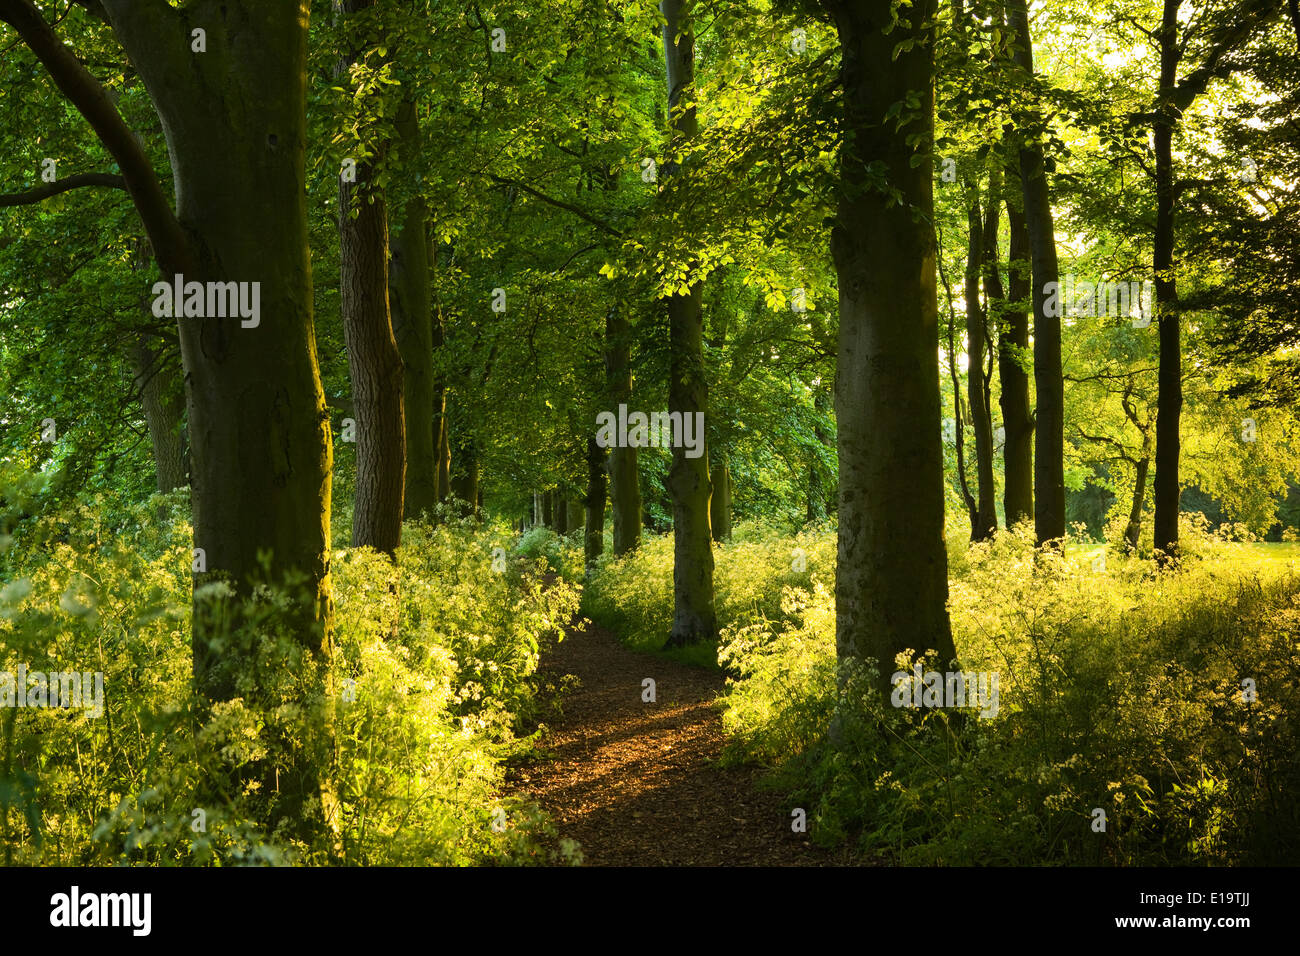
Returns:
<point x="440" y="653"/>
<point x="1119" y="690"/>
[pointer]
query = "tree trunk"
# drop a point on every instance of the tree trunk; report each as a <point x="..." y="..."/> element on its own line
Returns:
<point x="464" y="482"/>
<point x="1013" y="349"/>
<point x="891" y="584"/>
<point x="1049" y="386"/>
<point x="443" y="427"/>
<point x="235" y="123"/>
<point x="413" y="329"/>
<point x="984" y="518"/>
<point x="1169" y="377"/>
<point x="1133" y="530"/>
<point x="694" y="618"/>
<point x="548" y="508"/>
<point x="994" y="306"/>
<point x="624" y="487"/>
<point x="374" y="364"/>
<point x="562" y="515"/>
<point x="594" y="537"/>
<point x="958" y="420"/>
<point x="163" y="400"/>
<point x="720" y="503"/>
<point x="816" y="484"/>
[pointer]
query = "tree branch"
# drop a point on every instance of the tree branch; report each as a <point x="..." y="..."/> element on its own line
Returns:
<point x="559" y="204"/>
<point x="1241" y="26"/>
<point x="33" y="196"/>
<point x="1105" y="440"/>
<point x="92" y="7"/>
<point x="91" y="100"/>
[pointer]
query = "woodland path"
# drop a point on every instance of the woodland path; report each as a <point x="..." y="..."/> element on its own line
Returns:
<point x="638" y="784"/>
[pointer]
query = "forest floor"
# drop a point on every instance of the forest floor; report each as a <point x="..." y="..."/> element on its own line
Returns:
<point x="639" y="784"/>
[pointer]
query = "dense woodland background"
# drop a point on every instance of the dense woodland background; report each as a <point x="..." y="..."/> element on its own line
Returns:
<point x="318" y="559"/>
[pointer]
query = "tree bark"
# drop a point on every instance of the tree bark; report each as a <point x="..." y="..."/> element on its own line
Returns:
<point x="594" y="537"/>
<point x="1169" y="377"/>
<point x="1049" y="386"/>
<point x="694" y="617"/>
<point x="413" y="330"/>
<point x="1133" y="530"/>
<point x="720" y="502"/>
<point x="375" y="367"/>
<point x="624" y="486"/>
<point x="443" y="426"/>
<point x="816" y="484"/>
<point x="1013" y="348"/>
<point x="464" y="482"/>
<point x="163" y="400"/>
<point x="984" y="518"/>
<point x="891" y="584"/>
<point x="374" y="363"/>
<point x="235" y="123"/>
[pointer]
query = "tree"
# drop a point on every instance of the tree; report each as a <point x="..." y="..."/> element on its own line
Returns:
<point x="411" y="304"/>
<point x="1219" y="37"/>
<point x="1013" y="378"/>
<point x="373" y="359"/>
<point x="235" y="121"/>
<point x="1049" y="416"/>
<point x="891" y="584"/>
<point x="694" y="618"/>
<point x="624" y="484"/>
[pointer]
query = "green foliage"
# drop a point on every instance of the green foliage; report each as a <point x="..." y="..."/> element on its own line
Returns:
<point x="633" y="595"/>
<point x="562" y="554"/>
<point x="1119" y="689"/>
<point x="438" y="662"/>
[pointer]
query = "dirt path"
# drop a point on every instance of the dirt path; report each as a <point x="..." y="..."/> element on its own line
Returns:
<point x="637" y="784"/>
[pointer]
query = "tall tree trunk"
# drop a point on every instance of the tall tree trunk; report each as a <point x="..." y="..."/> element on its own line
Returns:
<point x="624" y="486"/>
<point x="994" y="306"/>
<point x="1169" y="377"/>
<point x="694" y="618"/>
<point x="443" y="426"/>
<point x="375" y="367"/>
<point x="1133" y="530"/>
<point x="1049" y="386"/>
<point x="720" y="502"/>
<point x="891" y="585"/>
<point x="984" y="517"/>
<point x="413" y="329"/>
<point x="562" y="515"/>
<point x="464" y="481"/>
<point x="958" y="420"/>
<point x="373" y="360"/>
<point x="548" y="509"/>
<point x="1013" y="349"/>
<point x="163" y="400"/>
<point x="594" y="538"/>
<point x="817" y="490"/>
<point x="235" y="123"/>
